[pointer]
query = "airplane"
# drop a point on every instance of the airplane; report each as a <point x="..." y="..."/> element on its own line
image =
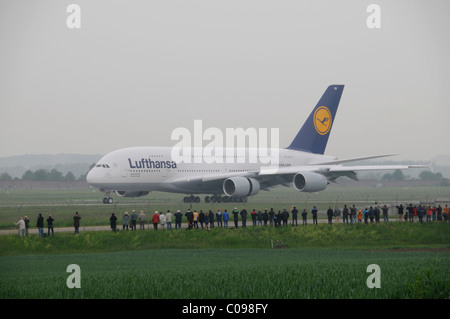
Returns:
<point x="137" y="171"/>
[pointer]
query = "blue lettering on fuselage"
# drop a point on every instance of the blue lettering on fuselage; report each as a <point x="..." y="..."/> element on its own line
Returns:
<point x="148" y="163"/>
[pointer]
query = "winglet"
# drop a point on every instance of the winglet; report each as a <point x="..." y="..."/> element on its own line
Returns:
<point x="313" y="136"/>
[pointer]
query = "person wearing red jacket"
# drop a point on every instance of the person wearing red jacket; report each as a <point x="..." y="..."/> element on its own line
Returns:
<point x="155" y="220"/>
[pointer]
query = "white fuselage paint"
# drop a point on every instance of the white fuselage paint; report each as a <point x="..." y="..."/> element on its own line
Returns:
<point x="152" y="169"/>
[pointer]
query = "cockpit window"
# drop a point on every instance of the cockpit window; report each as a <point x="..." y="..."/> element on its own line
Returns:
<point x="102" y="165"/>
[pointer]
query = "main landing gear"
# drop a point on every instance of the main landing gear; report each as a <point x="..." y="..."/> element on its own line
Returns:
<point x="107" y="199"/>
<point x="215" y="199"/>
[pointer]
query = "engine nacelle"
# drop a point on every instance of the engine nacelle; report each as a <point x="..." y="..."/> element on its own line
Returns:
<point x="131" y="194"/>
<point x="241" y="186"/>
<point x="310" y="182"/>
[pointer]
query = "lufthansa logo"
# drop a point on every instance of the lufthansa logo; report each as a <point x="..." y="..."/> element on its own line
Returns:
<point x="322" y="120"/>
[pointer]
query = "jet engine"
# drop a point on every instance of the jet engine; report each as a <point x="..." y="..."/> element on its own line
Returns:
<point x="241" y="186"/>
<point x="131" y="194"/>
<point x="310" y="182"/>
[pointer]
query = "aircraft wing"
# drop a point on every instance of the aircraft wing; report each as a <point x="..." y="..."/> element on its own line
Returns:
<point x="332" y="171"/>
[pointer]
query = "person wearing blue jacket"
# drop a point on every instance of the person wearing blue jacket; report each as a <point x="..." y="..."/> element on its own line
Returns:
<point x="226" y="217"/>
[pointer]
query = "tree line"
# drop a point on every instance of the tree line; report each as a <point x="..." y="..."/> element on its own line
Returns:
<point x="45" y="175"/>
<point x="55" y="175"/>
<point x="398" y="175"/>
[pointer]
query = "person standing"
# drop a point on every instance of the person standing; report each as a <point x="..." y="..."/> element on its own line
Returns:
<point x="345" y="215"/>
<point x="260" y="218"/>
<point x="410" y="209"/>
<point x="195" y="219"/>
<point x="236" y="217"/>
<point x="366" y="215"/>
<point x="371" y="214"/>
<point x="50" y="225"/>
<point x="226" y="217"/>
<point x="162" y="220"/>
<point x="265" y="217"/>
<point x="400" y="212"/>
<point x="190" y="219"/>
<point x="155" y="220"/>
<point x="438" y="213"/>
<point x="429" y="213"/>
<point x="133" y="219"/>
<point x="330" y="215"/>
<point x="445" y="214"/>
<point x="201" y="218"/>
<point x="353" y="214"/>
<point x="377" y="214"/>
<point x="178" y="217"/>
<point x="40" y="225"/>
<point x="126" y="221"/>
<point x="219" y="218"/>
<point x="211" y="219"/>
<point x="27" y="225"/>
<point x="294" y="212"/>
<point x="304" y="214"/>
<point x="76" y="222"/>
<point x="207" y="221"/>
<point x="169" y="220"/>
<point x="420" y="212"/>
<point x="113" y="222"/>
<point x="337" y="213"/>
<point x="385" y="210"/>
<point x="314" y="214"/>
<point x="243" y="214"/>
<point x="285" y="217"/>
<point x="21" y="224"/>
<point x="271" y="216"/>
<point x="141" y="218"/>
<point x="253" y="215"/>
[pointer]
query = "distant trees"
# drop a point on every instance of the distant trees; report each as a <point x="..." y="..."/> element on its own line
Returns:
<point x="397" y="175"/>
<point x="5" y="177"/>
<point x="45" y="175"/>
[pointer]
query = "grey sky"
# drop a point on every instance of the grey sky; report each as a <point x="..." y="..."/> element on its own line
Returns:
<point x="136" y="70"/>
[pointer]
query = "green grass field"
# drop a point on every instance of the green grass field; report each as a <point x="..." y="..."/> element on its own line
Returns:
<point x="228" y="273"/>
<point x="320" y="262"/>
<point x="323" y="261"/>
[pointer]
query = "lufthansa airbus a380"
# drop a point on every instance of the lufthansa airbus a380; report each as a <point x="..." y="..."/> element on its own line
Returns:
<point x="134" y="172"/>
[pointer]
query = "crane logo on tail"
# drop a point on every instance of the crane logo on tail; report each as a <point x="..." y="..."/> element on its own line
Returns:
<point x="322" y="120"/>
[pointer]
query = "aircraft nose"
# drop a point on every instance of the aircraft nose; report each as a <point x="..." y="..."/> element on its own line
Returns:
<point x="92" y="177"/>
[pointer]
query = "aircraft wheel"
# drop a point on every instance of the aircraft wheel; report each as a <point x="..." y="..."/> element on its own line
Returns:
<point x="207" y="199"/>
<point x="197" y="199"/>
<point x="186" y="199"/>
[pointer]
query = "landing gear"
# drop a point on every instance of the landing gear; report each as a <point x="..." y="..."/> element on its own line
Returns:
<point x="225" y="199"/>
<point x="215" y="199"/>
<point x="107" y="199"/>
<point x="191" y="199"/>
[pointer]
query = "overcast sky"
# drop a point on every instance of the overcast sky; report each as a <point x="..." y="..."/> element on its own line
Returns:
<point x="136" y="70"/>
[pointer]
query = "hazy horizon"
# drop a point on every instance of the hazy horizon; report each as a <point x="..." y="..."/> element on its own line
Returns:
<point x="137" y="70"/>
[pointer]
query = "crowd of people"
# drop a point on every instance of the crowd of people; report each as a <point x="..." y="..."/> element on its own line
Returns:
<point x="199" y="219"/>
<point x="281" y="218"/>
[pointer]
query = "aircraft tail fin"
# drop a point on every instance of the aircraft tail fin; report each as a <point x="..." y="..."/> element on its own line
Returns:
<point x="313" y="136"/>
